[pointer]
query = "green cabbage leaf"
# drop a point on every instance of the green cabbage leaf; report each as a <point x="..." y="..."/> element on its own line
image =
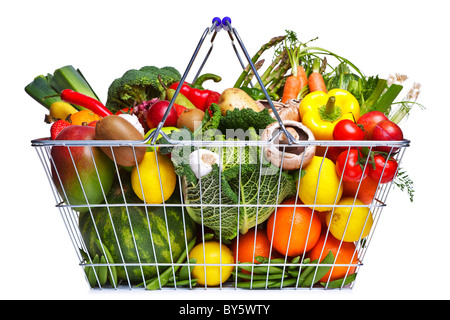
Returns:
<point x="237" y="197"/>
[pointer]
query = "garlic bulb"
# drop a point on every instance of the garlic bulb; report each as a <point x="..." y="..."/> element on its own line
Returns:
<point x="201" y="162"/>
<point x="134" y="120"/>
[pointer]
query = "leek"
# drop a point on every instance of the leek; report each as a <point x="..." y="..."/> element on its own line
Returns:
<point x="41" y="91"/>
<point x="46" y="89"/>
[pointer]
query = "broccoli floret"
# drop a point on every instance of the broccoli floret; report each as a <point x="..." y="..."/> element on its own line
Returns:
<point x="245" y="119"/>
<point x="136" y="86"/>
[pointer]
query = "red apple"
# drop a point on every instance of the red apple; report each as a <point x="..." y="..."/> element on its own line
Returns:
<point x="387" y="130"/>
<point x="369" y="120"/>
<point x="156" y="112"/>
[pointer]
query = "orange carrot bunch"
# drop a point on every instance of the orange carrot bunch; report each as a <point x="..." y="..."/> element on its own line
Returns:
<point x="315" y="80"/>
<point x="298" y="79"/>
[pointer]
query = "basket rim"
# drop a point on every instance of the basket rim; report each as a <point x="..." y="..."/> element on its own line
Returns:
<point x="42" y="142"/>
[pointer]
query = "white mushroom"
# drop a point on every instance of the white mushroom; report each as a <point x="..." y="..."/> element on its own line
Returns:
<point x="201" y="161"/>
<point x="295" y="156"/>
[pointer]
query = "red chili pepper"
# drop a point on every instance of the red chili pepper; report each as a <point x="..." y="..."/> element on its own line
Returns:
<point x="197" y="96"/>
<point x="85" y="101"/>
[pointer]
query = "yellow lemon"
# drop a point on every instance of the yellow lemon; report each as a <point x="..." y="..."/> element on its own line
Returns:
<point x="350" y="223"/>
<point x="61" y="109"/>
<point x="147" y="181"/>
<point x="215" y="254"/>
<point x="320" y="184"/>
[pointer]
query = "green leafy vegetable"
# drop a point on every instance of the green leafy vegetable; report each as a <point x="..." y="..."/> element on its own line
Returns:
<point x="232" y="199"/>
<point x="219" y="194"/>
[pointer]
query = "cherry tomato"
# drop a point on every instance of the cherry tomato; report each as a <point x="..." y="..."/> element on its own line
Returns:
<point x="349" y="166"/>
<point x="347" y="130"/>
<point x="384" y="171"/>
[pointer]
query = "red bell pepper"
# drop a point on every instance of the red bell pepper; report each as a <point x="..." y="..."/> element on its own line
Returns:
<point x="195" y="93"/>
<point x="198" y="97"/>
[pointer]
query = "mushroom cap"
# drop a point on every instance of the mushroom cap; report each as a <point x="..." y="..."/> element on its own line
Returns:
<point x="288" y="111"/>
<point x="295" y="157"/>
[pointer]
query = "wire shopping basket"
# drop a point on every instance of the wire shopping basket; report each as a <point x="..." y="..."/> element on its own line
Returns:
<point x="228" y="198"/>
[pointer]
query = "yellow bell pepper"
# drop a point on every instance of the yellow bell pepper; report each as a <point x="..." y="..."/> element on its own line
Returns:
<point x="321" y="111"/>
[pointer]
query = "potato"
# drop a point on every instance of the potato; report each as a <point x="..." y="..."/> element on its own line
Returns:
<point x="234" y="98"/>
<point x="114" y="127"/>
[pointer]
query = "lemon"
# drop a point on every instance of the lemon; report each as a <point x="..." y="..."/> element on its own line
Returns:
<point x="320" y="176"/>
<point x="350" y="223"/>
<point x="61" y="109"/>
<point x="215" y="254"/>
<point x="147" y="181"/>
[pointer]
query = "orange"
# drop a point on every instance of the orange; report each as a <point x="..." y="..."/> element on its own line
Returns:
<point x="344" y="253"/>
<point x="83" y="116"/>
<point x="306" y="228"/>
<point x="247" y="246"/>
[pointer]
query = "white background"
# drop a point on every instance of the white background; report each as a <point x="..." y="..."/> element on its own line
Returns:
<point x="408" y="257"/>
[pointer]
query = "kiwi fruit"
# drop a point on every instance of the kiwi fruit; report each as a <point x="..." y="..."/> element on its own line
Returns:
<point x="190" y="118"/>
<point x="114" y="127"/>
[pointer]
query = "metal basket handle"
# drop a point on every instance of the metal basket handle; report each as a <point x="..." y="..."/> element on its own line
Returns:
<point x="218" y="25"/>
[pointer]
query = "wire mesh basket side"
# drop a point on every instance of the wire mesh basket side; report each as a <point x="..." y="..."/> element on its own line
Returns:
<point x="109" y="264"/>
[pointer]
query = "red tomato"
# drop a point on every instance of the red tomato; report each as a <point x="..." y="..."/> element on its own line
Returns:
<point x="347" y="130"/>
<point x="349" y="166"/>
<point x="384" y="170"/>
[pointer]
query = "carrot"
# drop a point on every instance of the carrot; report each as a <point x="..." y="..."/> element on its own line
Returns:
<point x="293" y="83"/>
<point x="291" y="88"/>
<point x="301" y="73"/>
<point x="315" y="80"/>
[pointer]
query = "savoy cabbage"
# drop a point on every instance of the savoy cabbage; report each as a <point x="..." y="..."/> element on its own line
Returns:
<point x="240" y="196"/>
